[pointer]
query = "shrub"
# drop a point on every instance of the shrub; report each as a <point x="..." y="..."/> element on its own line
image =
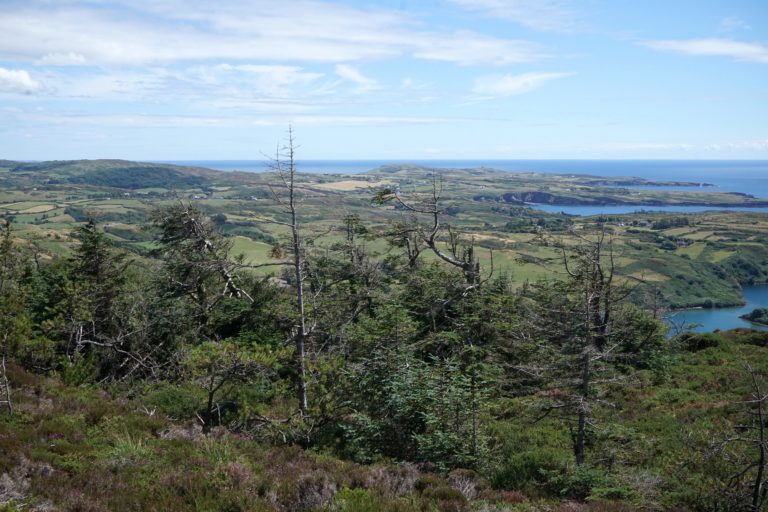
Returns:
<point x="578" y="483"/>
<point x="361" y="500"/>
<point x="693" y="342"/>
<point x="176" y="401"/>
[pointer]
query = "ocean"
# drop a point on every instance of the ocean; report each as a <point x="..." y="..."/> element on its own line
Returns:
<point x="745" y="176"/>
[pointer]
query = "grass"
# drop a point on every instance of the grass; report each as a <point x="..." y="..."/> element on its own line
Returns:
<point x="255" y="252"/>
<point x="347" y="185"/>
<point x="693" y="251"/>
<point x="721" y="255"/>
<point x="327" y="199"/>
<point x="23" y="205"/>
<point x="75" y="448"/>
<point x="39" y="209"/>
<point x="700" y="235"/>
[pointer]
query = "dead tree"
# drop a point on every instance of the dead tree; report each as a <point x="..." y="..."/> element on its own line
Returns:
<point x="593" y="277"/>
<point x="460" y="255"/>
<point x="759" y="441"/>
<point x="750" y="480"/>
<point x="284" y="166"/>
<point x="405" y="235"/>
<point x="580" y="340"/>
<point x="5" y="385"/>
<point x="13" y="327"/>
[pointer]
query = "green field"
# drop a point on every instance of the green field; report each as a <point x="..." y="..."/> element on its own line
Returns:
<point x="698" y="261"/>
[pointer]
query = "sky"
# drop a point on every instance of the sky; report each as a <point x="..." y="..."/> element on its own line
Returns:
<point x="384" y="79"/>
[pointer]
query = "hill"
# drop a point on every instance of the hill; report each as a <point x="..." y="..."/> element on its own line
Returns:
<point x="694" y="259"/>
<point x="119" y="174"/>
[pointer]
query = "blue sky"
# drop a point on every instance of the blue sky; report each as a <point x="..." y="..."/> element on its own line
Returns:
<point x="384" y="79"/>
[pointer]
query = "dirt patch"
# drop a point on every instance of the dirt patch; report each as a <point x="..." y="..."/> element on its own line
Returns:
<point x="39" y="209"/>
<point x="351" y="185"/>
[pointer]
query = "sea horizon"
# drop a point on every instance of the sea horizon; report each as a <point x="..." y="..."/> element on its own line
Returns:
<point x="739" y="176"/>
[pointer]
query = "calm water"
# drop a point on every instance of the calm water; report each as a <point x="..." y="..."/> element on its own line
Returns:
<point x="747" y="176"/>
<point x="725" y="318"/>
<point x="616" y="210"/>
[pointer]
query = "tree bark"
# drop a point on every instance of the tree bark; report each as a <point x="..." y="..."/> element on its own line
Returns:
<point x="758" y="494"/>
<point x="578" y="444"/>
<point x="298" y="263"/>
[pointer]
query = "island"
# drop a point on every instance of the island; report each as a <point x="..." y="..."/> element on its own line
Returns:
<point x="757" y="316"/>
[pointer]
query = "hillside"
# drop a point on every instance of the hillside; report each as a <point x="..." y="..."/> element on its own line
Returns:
<point x="120" y="174"/>
<point x="395" y="345"/>
<point x="695" y="259"/>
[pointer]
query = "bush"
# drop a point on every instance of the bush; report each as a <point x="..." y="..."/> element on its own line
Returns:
<point x="580" y="483"/>
<point x="693" y="342"/>
<point x="448" y="498"/>
<point x="362" y="500"/>
<point x="176" y="401"/>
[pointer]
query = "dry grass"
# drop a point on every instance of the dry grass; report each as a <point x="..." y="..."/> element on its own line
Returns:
<point x="39" y="209"/>
<point x="351" y="185"/>
<point x="649" y="276"/>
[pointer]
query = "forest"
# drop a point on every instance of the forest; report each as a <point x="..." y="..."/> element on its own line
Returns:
<point x="332" y="375"/>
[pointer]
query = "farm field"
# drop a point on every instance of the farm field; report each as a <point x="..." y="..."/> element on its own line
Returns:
<point x="693" y="259"/>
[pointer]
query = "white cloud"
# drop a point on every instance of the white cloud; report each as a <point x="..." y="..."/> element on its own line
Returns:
<point x="17" y="81"/>
<point x="117" y="85"/>
<point x="62" y="59"/>
<point x="754" y="147"/>
<point x="263" y="80"/>
<point x="495" y="86"/>
<point x="354" y="75"/>
<point x="170" y="31"/>
<point x="738" y="50"/>
<point x="536" y="14"/>
<point x="468" y="48"/>
<point x="732" y="24"/>
<point x="191" y="121"/>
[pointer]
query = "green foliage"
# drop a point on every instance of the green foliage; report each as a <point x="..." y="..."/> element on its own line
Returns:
<point x="427" y="411"/>
<point x="405" y="362"/>
<point x="139" y="177"/>
<point x="693" y="342"/>
<point x="758" y="316"/>
<point x="15" y="324"/>
<point x="362" y="500"/>
<point x="79" y="370"/>
<point x="576" y="483"/>
<point x="670" y="222"/>
<point x="527" y="455"/>
<point x="177" y="401"/>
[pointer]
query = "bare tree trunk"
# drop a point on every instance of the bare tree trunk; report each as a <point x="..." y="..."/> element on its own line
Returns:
<point x="5" y="384"/>
<point x="578" y="444"/>
<point x="302" y="334"/>
<point x="758" y="493"/>
<point x="298" y="263"/>
<point x="473" y="383"/>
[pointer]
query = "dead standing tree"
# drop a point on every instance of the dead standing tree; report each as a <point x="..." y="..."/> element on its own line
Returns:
<point x="746" y="449"/>
<point x="578" y="338"/>
<point x="14" y="326"/>
<point x="593" y="277"/>
<point x="284" y="166"/>
<point x="758" y="425"/>
<point x="460" y="255"/>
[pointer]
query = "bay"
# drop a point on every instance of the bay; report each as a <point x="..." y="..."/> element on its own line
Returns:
<point x="745" y="176"/>
<point x="707" y="320"/>
<point x="621" y="209"/>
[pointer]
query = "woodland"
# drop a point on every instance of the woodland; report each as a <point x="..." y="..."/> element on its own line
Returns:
<point x="396" y="365"/>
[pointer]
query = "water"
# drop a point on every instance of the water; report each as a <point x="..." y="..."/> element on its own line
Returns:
<point x="746" y="176"/>
<point x="725" y="318"/>
<point x="617" y="210"/>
